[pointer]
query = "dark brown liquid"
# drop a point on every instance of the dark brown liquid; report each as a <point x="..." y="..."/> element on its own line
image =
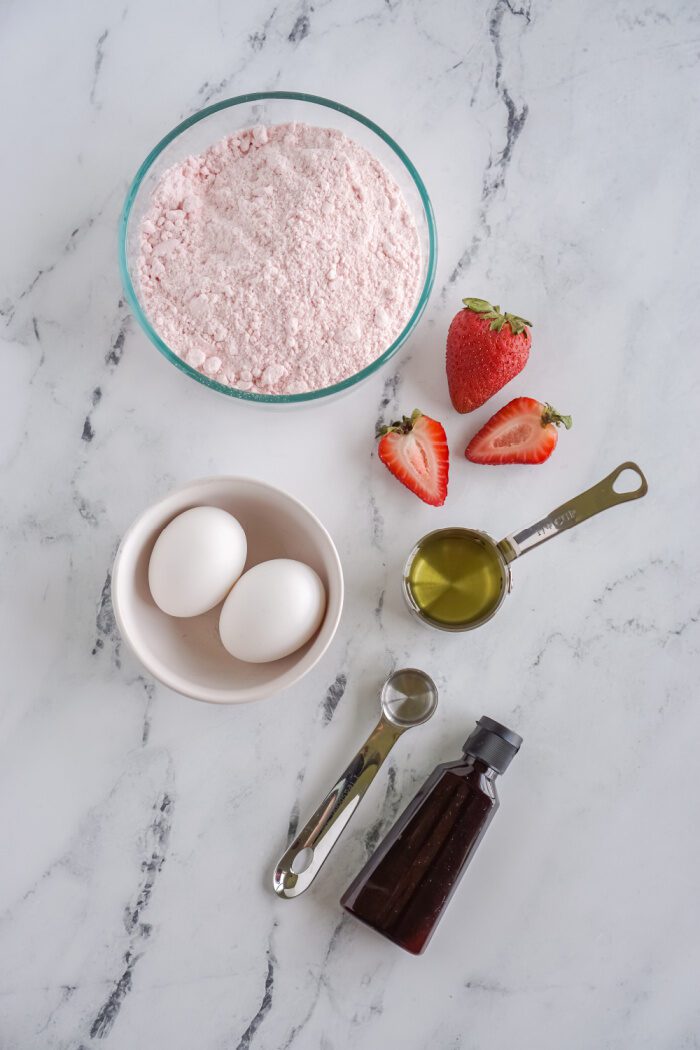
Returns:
<point x="406" y="884"/>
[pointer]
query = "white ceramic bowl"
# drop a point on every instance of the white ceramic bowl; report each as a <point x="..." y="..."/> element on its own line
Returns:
<point x="187" y="654"/>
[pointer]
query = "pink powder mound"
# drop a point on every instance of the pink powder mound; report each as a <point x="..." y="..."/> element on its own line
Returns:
<point x="284" y="259"/>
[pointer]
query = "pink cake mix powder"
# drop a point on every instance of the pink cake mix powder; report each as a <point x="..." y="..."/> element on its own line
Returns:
<point x="282" y="260"/>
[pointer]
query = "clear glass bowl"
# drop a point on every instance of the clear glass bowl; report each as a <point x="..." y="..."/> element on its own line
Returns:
<point x="205" y="128"/>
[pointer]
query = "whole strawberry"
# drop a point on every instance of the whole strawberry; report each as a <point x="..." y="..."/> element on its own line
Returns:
<point x="485" y="350"/>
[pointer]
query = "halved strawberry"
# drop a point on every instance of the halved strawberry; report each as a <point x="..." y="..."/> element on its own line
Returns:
<point x="523" y="431"/>
<point x="415" y="451"/>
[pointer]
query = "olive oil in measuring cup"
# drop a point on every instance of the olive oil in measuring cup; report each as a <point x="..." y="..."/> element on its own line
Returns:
<point x="455" y="577"/>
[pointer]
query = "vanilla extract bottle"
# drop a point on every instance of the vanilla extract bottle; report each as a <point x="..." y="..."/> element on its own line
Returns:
<point x="407" y="883"/>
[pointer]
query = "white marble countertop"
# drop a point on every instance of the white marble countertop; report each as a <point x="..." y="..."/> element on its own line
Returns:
<point x="559" y="142"/>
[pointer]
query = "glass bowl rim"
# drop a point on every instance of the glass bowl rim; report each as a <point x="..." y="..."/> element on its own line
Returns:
<point x="245" y="395"/>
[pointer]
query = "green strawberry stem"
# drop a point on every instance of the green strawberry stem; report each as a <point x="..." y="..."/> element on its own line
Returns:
<point x="400" y="426"/>
<point x="550" y="415"/>
<point x="498" y="319"/>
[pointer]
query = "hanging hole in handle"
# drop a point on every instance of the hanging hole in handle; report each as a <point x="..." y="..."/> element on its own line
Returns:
<point x="628" y="481"/>
<point x="302" y="861"/>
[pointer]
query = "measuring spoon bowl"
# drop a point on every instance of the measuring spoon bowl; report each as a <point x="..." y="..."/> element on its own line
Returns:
<point x="408" y="698"/>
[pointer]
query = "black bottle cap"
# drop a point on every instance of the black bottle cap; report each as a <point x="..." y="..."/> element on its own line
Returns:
<point x="493" y="743"/>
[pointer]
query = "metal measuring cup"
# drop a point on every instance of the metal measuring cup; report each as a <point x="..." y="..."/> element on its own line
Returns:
<point x="408" y="698"/>
<point x="498" y="556"/>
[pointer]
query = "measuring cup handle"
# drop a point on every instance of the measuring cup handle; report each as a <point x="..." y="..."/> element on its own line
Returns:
<point x="600" y="497"/>
<point x="322" y="831"/>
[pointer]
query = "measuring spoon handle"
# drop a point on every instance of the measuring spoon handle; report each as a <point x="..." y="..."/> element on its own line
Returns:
<point x="323" y="830"/>
<point x="600" y="497"/>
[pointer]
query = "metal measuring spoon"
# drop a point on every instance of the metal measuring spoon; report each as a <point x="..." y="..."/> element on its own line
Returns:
<point x="494" y="558"/>
<point x="408" y="698"/>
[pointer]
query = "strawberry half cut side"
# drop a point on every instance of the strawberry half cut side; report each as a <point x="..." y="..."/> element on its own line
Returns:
<point x="415" y="450"/>
<point x="523" y="431"/>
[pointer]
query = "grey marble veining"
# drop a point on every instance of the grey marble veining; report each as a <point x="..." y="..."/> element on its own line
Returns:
<point x="560" y="146"/>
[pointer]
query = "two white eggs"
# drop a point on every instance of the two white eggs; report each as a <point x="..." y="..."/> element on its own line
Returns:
<point x="269" y="611"/>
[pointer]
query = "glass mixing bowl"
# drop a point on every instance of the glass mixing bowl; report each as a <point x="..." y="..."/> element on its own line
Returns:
<point x="205" y="128"/>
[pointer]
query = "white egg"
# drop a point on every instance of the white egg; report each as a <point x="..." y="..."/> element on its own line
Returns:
<point x="272" y="611"/>
<point x="196" y="560"/>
